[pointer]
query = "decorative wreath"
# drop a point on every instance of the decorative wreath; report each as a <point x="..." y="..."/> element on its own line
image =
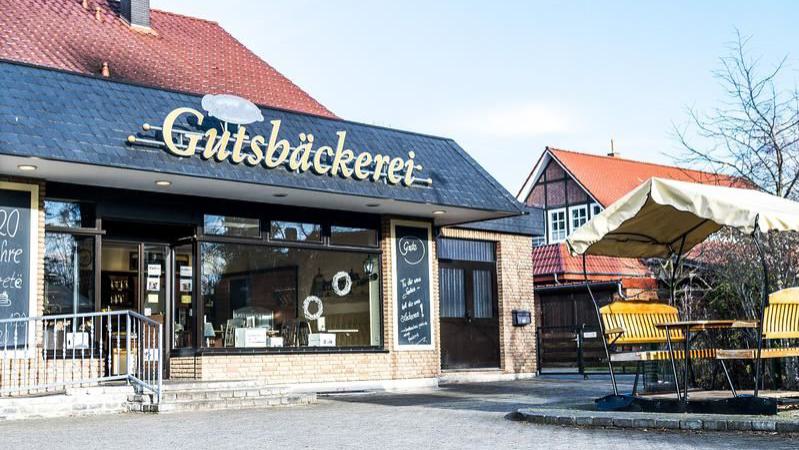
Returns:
<point x="307" y="302"/>
<point x="340" y="290"/>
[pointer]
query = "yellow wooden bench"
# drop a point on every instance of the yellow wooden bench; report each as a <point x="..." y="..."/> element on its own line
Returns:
<point x="780" y="321"/>
<point x="632" y="323"/>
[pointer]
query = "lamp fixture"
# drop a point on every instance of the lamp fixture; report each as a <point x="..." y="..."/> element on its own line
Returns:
<point x="439" y="212"/>
<point x="27" y="167"/>
<point x="163" y="183"/>
<point x="372" y="205"/>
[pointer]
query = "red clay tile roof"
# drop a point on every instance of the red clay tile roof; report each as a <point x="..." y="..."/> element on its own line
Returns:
<point x="179" y="53"/>
<point x="608" y="178"/>
<point x="552" y="259"/>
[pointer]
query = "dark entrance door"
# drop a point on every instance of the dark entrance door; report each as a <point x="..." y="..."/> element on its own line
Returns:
<point x="469" y="315"/>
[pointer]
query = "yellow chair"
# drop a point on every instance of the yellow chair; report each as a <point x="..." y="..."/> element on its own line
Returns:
<point x="780" y="321"/>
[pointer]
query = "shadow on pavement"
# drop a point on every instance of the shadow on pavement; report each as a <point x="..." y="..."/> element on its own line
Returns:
<point x="504" y="397"/>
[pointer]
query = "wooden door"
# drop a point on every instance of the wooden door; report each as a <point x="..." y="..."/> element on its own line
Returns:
<point x="469" y="315"/>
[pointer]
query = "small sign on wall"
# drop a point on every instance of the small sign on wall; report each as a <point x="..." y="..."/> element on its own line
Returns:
<point x="412" y="266"/>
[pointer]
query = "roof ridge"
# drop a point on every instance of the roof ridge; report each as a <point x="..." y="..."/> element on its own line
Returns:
<point x="636" y="161"/>
<point x="162" y="11"/>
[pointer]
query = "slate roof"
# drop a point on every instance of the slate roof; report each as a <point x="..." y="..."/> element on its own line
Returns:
<point x="178" y="52"/>
<point x="609" y="178"/>
<point x="76" y="118"/>
<point x="529" y="224"/>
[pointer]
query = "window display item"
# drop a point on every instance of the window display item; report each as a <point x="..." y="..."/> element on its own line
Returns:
<point x="342" y="283"/>
<point x="306" y="305"/>
<point x="321" y="340"/>
<point x="250" y="337"/>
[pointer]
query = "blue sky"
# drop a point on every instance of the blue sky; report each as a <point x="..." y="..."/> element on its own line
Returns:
<point x="506" y="79"/>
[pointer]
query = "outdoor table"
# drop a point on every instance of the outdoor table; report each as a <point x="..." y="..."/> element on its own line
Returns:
<point x="695" y="326"/>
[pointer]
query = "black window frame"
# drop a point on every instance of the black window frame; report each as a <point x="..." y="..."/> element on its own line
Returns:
<point x="266" y="240"/>
<point x="96" y="232"/>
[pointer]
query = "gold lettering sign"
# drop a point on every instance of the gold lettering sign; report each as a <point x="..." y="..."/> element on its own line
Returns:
<point x="273" y="151"/>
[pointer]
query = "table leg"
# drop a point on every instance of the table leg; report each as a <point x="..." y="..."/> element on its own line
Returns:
<point x="673" y="364"/>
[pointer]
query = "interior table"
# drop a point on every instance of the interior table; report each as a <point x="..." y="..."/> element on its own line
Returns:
<point x="695" y="326"/>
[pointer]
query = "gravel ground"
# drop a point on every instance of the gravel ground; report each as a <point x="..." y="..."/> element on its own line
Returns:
<point x="456" y="416"/>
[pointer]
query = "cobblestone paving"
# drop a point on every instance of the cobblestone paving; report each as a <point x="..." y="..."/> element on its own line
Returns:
<point x="456" y="417"/>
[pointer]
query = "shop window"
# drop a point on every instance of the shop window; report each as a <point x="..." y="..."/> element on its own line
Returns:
<point x="262" y="296"/>
<point x="231" y="226"/>
<point x="556" y="224"/>
<point x="67" y="214"/>
<point x="354" y="236"/>
<point x="68" y="274"/>
<point x="296" y="231"/>
<point x="578" y="215"/>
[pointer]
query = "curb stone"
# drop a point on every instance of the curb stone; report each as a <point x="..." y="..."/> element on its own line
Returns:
<point x="636" y="420"/>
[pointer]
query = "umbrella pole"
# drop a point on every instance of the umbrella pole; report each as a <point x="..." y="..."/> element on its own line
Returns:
<point x="763" y="302"/>
<point x="601" y="328"/>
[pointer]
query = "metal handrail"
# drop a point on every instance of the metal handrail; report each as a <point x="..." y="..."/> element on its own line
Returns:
<point x="43" y="353"/>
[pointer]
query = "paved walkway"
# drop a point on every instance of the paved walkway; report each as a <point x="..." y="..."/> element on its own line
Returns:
<point x="456" y="417"/>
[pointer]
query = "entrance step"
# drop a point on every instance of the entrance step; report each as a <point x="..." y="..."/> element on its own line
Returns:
<point x="479" y="375"/>
<point x="209" y="396"/>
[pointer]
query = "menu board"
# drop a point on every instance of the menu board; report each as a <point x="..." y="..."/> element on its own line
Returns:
<point x="17" y="218"/>
<point x="413" y="322"/>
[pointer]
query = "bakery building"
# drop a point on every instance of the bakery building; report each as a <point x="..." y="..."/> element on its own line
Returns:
<point x="151" y="163"/>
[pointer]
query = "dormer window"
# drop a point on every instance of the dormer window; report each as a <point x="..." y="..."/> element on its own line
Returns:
<point x="556" y="224"/>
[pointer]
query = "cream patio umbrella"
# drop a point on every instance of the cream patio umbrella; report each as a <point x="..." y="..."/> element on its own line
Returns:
<point x="665" y="218"/>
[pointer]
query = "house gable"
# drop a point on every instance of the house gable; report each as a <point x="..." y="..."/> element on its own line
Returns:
<point x="566" y="204"/>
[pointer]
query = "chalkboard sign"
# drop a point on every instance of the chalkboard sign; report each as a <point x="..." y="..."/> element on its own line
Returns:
<point x="413" y="324"/>
<point x="18" y="210"/>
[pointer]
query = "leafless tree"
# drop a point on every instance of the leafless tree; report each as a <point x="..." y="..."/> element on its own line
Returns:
<point x="754" y="133"/>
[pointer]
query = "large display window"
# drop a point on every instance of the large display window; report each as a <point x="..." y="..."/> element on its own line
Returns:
<point x="277" y="297"/>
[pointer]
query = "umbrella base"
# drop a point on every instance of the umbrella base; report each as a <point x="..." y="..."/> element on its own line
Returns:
<point x="743" y="404"/>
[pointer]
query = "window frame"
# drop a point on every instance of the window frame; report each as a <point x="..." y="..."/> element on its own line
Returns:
<point x="266" y="241"/>
<point x="96" y="232"/>
<point x="550" y="214"/>
<point x="595" y="209"/>
<point x="258" y="219"/>
<point x="573" y="209"/>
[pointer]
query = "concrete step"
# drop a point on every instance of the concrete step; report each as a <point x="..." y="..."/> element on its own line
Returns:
<point x="269" y="401"/>
<point x="170" y="386"/>
<point x="211" y="394"/>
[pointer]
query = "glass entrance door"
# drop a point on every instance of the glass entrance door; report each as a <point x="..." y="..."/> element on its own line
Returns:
<point x="137" y="276"/>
